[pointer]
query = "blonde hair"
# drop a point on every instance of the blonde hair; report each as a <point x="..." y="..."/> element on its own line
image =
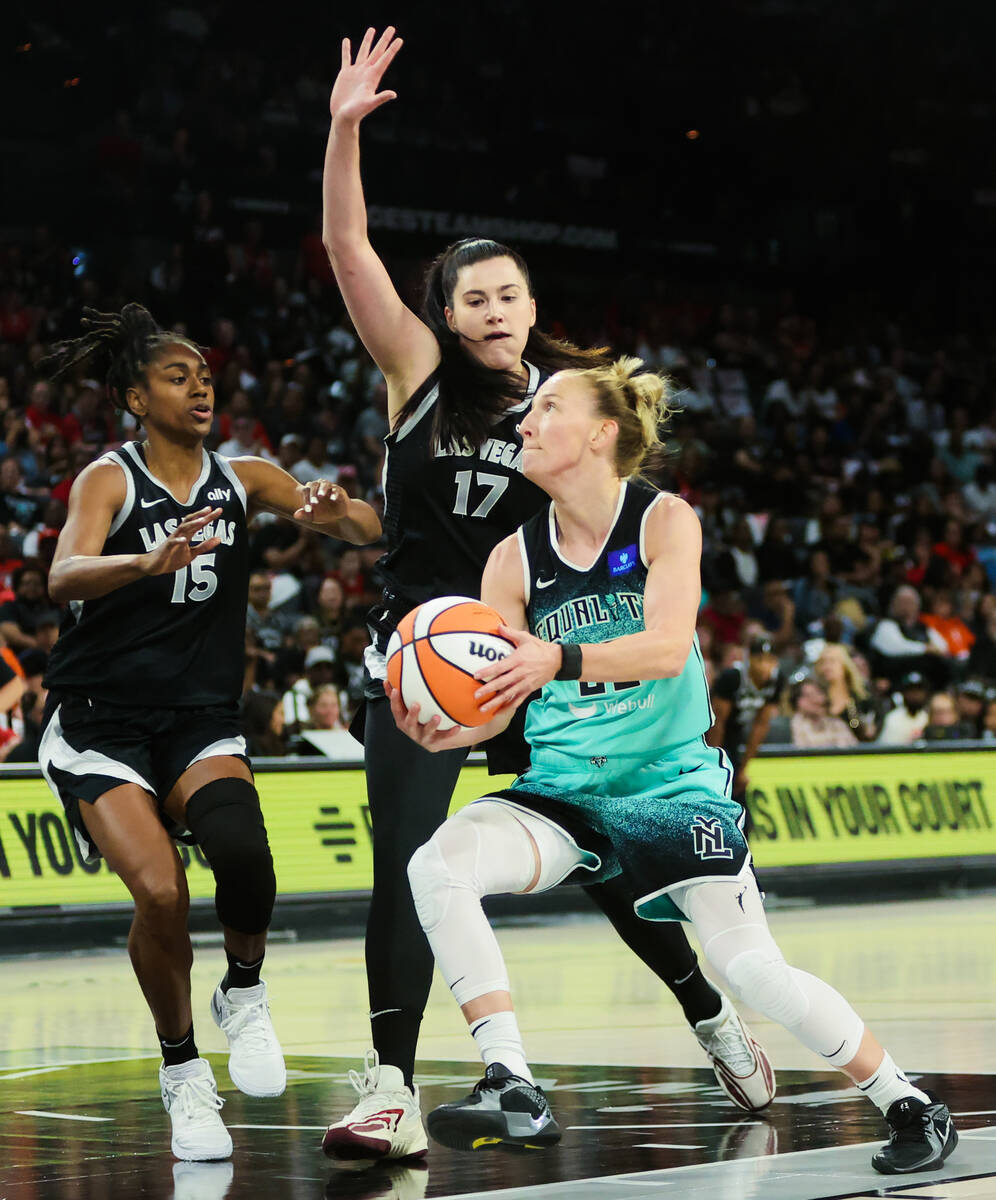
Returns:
<point x="636" y="398"/>
<point x="855" y="682"/>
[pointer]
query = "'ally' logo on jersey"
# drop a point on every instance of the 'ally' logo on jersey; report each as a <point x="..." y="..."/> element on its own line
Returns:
<point x="622" y="561"/>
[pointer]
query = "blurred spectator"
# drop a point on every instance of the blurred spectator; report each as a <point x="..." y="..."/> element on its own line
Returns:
<point x="953" y="548"/>
<point x="329" y="612"/>
<point x="943" y="619"/>
<point x="267" y="627"/>
<point x="12" y="689"/>
<point x="980" y="494"/>
<point x="358" y="590"/>
<point x="907" y="721"/>
<point x="989" y="719"/>
<point x="816" y="592"/>
<point x="982" y="659"/>
<point x="243" y="440"/>
<point x="20" y="504"/>
<point x="810" y="724"/>
<point x="848" y="697"/>
<point x="776" y="612"/>
<point x="350" y="669"/>
<point x="903" y="642"/>
<point x="745" y="698"/>
<point x="315" y="463"/>
<point x="19" y="617"/>
<point x="943" y="723"/>
<point x="776" y="556"/>
<point x="724" y="615"/>
<point x="263" y="724"/>
<point x="971" y="699"/>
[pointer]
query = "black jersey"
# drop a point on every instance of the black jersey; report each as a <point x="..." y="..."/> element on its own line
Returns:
<point x="167" y="641"/>
<point x="446" y="509"/>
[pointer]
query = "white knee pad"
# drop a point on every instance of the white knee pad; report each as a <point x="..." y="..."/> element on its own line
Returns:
<point x="430" y="881"/>
<point x="764" y="980"/>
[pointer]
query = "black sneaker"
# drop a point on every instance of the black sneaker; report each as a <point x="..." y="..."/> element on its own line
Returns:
<point x="923" y="1135"/>
<point x="503" y="1109"/>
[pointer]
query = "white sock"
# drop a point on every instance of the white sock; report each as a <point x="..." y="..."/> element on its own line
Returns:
<point x="499" y="1041"/>
<point x="888" y="1085"/>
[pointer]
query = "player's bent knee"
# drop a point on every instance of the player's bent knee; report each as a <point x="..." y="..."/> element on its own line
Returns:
<point x="432" y="883"/>
<point x="225" y="818"/>
<point x="159" y="900"/>
<point x="764" y="980"/>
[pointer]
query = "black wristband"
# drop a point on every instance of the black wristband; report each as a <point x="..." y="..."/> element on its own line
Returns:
<point x="570" y="661"/>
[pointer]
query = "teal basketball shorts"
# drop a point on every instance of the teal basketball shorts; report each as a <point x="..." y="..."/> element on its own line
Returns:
<point x="662" y="824"/>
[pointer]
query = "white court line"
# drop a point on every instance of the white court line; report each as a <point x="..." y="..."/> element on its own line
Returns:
<point x="312" y="1127"/>
<point x="81" y="1062"/>
<point x="677" y="1125"/>
<point x="34" y="1112"/>
<point x="32" y="1071"/>
<point x="664" y="1146"/>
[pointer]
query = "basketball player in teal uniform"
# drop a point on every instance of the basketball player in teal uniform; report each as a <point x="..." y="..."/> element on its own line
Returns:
<point x="460" y="378"/>
<point x="621" y="781"/>
<point x="142" y="739"/>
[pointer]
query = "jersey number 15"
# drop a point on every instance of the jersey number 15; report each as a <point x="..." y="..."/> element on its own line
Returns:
<point x="199" y="573"/>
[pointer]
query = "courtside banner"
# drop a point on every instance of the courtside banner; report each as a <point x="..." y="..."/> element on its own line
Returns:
<point x="317" y="820"/>
<point x="843" y="808"/>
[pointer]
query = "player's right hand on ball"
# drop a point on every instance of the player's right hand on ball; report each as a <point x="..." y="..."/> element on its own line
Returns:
<point x="406" y="719"/>
<point x="354" y="93"/>
<point x="177" y="551"/>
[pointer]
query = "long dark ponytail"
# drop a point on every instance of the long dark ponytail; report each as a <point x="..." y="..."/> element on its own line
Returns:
<point x="472" y="396"/>
<point x="116" y="347"/>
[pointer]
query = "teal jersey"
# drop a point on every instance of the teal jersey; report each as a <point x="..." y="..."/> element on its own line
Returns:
<point x="635" y="719"/>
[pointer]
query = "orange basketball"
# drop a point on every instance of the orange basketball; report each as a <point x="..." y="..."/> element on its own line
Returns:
<point x="434" y="652"/>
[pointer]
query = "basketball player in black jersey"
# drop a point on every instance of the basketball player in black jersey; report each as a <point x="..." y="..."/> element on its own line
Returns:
<point x="142" y="739"/>
<point x="459" y="381"/>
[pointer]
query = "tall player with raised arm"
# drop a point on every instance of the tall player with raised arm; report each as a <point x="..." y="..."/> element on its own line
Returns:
<point x="460" y="379"/>
<point x="142" y="741"/>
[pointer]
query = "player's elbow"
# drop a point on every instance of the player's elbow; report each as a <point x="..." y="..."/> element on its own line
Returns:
<point x="670" y="659"/>
<point x="58" y="591"/>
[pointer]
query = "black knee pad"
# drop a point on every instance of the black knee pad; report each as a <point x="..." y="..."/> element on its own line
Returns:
<point x="225" y="818"/>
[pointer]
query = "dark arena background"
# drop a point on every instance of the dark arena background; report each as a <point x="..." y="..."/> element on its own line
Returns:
<point x="789" y="206"/>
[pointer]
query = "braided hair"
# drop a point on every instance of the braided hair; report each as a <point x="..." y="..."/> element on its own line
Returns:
<point x="116" y="347"/>
<point x="472" y="396"/>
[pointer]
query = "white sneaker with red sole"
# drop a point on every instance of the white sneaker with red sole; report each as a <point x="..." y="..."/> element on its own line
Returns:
<point x="738" y="1059"/>
<point x="385" y="1124"/>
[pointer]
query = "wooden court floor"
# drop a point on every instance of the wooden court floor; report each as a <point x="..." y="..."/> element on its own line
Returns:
<point x="80" y="1115"/>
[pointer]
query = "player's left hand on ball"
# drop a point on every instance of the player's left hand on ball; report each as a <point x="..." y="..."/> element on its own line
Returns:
<point x="428" y="735"/>
<point x="323" y="501"/>
<point x="509" y="681"/>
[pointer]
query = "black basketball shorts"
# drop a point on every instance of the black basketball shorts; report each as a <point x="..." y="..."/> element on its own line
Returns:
<point x="90" y="746"/>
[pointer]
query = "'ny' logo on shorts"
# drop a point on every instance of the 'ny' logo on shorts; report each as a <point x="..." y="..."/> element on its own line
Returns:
<point x="708" y="836"/>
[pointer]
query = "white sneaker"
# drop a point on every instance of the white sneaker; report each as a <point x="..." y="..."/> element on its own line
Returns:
<point x="255" y="1062"/>
<point x="740" y="1063"/>
<point x="386" y="1123"/>
<point x="192" y="1101"/>
<point x="202" y="1181"/>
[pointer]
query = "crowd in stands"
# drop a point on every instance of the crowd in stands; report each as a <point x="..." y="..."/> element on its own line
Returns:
<point x="843" y="466"/>
<point x="847" y="494"/>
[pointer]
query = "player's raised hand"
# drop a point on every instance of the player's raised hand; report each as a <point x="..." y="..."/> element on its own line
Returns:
<point x="178" y="549"/>
<point x="322" y="502"/>
<point x="354" y="93"/>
